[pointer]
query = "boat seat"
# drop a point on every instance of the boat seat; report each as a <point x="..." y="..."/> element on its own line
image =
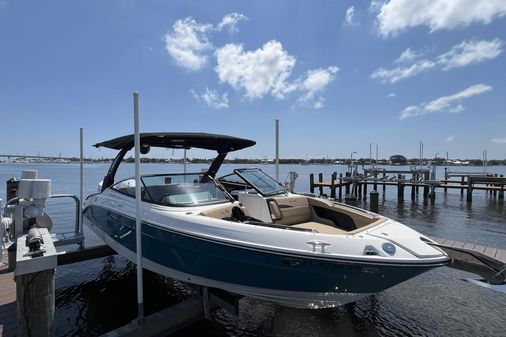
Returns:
<point x="290" y="210"/>
<point x="223" y="211"/>
<point x="320" y="228"/>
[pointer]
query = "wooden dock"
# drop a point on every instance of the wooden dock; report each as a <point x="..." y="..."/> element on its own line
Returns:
<point x="8" y="323"/>
<point x="357" y="185"/>
<point x="494" y="253"/>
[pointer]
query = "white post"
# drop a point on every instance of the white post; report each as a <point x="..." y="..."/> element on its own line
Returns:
<point x="277" y="149"/>
<point x="370" y="154"/>
<point x="138" y="229"/>
<point x="184" y="165"/>
<point x="376" y="164"/>
<point x="81" y="182"/>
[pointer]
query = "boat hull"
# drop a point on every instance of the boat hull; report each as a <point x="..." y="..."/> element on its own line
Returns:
<point x="289" y="278"/>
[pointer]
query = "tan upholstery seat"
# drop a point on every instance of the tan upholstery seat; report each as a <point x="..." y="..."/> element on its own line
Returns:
<point x="320" y="228"/>
<point x="290" y="210"/>
<point x="223" y="211"/>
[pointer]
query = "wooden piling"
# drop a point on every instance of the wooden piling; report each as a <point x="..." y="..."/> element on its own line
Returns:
<point x="311" y="183"/>
<point x="413" y="191"/>
<point x="375" y="180"/>
<point x="495" y="191"/>
<point x="446" y="178"/>
<point x="400" y="191"/>
<point x="426" y="186"/>
<point x="340" y="186"/>
<point x="365" y="190"/>
<point x="35" y="286"/>
<point x="320" y="180"/>
<point x="35" y="298"/>
<point x="501" y="192"/>
<point x="333" y="185"/>
<point x="384" y="186"/>
<point x="347" y="187"/>
<point x="374" y="200"/>
<point x="462" y="183"/>
<point x="469" y="189"/>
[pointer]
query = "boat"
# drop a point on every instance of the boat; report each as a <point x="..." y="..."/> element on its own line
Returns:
<point x="243" y="232"/>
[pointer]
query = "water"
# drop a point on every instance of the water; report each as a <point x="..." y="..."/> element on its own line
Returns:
<point x="97" y="296"/>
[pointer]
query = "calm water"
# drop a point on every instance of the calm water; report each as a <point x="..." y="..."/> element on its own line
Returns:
<point x="97" y="296"/>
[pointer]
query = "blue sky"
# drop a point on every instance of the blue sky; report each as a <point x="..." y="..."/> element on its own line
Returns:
<point x="338" y="74"/>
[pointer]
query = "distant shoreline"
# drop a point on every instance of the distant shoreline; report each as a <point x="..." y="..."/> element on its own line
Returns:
<point x="322" y="161"/>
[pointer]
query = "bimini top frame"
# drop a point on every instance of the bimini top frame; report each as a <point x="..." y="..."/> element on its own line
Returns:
<point x="174" y="140"/>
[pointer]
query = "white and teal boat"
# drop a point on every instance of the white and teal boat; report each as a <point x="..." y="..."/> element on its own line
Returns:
<point x="246" y="234"/>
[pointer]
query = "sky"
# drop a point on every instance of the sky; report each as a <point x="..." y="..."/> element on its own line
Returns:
<point x="339" y="75"/>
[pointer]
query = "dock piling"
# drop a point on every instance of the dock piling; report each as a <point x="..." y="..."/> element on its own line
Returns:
<point x="469" y="189"/>
<point x="340" y="186"/>
<point x="34" y="277"/>
<point x="501" y="191"/>
<point x="374" y="200"/>
<point x="400" y="191"/>
<point x="333" y="185"/>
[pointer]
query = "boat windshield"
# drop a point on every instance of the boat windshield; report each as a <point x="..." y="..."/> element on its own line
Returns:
<point x="175" y="190"/>
<point x="261" y="181"/>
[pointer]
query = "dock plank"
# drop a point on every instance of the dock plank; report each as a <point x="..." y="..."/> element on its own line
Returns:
<point x="459" y="244"/>
<point x="468" y="245"/>
<point x="450" y="243"/>
<point x="479" y="248"/>
<point x="501" y="255"/>
<point x="490" y="251"/>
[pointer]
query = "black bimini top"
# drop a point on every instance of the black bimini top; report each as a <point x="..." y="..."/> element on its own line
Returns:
<point x="180" y="140"/>
<point x="174" y="140"/>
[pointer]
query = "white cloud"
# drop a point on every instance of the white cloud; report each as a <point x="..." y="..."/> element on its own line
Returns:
<point x="445" y="103"/>
<point x="399" y="73"/>
<point x="459" y="55"/>
<point x="231" y="20"/>
<point x="457" y="109"/>
<point x="408" y="56"/>
<point x="348" y="17"/>
<point x="470" y="52"/>
<point x="395" y="16"/>
<point x="498" y="140"/>
<point x="315" y="82"/>
<point x="449" y="139"/>
<point x="375" y="5"/>
<point x="392" y="94"/>
<point x="187" y="42"/>
<point x="258" y="72"/>
<point x="212" y="98"/>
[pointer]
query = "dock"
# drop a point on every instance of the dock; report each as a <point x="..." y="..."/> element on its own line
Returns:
<point x="192" y="309"/>
<point x="356" y="185"/>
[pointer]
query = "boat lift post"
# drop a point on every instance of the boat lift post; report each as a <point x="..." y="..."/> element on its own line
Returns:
<point x="81" y="185"/>
<point x="277" y="149"/>
<point x="138" y="223"/>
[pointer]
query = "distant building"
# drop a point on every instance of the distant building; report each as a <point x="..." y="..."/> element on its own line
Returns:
<point x="397" y="159"/>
